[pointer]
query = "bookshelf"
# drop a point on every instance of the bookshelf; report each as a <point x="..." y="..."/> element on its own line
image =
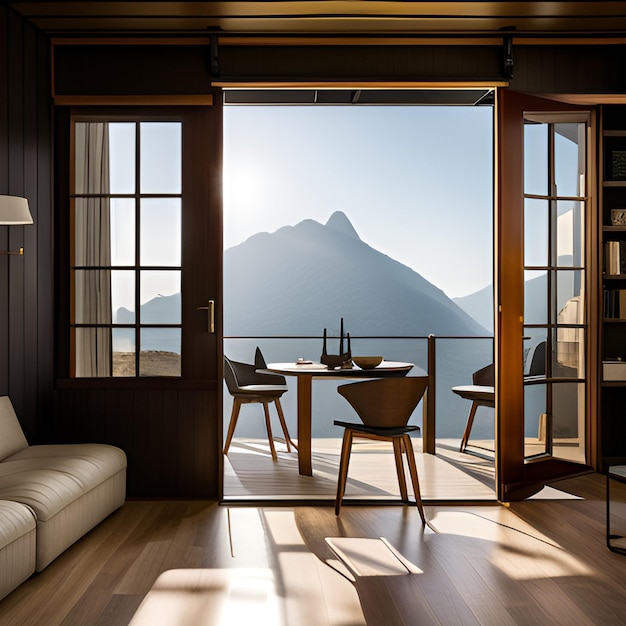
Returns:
<point x="613" y="261"/>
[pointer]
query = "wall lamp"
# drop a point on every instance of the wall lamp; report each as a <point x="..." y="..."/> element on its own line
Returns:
<point x="14" y="211"/>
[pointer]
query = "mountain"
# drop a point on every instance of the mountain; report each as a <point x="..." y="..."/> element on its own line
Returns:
<point x="159" y="310"/>
<point x="304" y="278"/>
<point x="479" y="306"/>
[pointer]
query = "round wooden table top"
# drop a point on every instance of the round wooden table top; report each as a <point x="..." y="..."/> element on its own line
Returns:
<point x="317" y="369"/>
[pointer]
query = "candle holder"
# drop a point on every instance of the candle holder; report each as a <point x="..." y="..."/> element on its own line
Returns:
<point x="342" y="360"/>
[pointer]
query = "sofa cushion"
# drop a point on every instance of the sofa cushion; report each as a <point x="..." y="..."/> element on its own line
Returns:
<point x="12" y="438"/>
<point x="16" y="520"/>
<point x="48" y="478"/>
<point x="17" y="545"/>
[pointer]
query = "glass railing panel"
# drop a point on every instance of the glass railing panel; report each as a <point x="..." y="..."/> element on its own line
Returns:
<point x="456" y="360"/>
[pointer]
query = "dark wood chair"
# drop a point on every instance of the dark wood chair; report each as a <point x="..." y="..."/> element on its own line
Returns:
<point x="480" y="393"/>
<point x="247" y="385"/>
<point x="385" y="407"/>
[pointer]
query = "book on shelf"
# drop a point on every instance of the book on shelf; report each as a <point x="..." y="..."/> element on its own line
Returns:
<point x="618" y="165"/>
<point x="615" y="303"/>
<point x="615" y="258"/>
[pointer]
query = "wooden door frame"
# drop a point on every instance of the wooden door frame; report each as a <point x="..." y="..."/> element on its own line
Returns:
<point x="516" y="478"/>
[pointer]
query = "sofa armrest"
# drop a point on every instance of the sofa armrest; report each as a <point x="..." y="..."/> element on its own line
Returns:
<point x="12" y="437"/>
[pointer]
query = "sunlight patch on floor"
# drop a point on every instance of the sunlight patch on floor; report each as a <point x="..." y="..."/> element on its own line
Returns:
<point x="224" y="597"/>
<point x="502" y="528"/>
<point x="551" y="493"/>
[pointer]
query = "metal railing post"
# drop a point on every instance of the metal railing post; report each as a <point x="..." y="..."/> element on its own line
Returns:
<point x="428" y="423"/>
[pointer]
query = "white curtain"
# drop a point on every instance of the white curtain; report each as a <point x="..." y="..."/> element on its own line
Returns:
<point x="92" y="241"/>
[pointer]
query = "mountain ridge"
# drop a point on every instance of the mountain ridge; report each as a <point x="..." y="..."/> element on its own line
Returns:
<point x="302" y="278"/>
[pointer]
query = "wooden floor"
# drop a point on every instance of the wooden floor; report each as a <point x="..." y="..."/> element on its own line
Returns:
<point x="542" y="561"/>
<point x="251" y="474"/>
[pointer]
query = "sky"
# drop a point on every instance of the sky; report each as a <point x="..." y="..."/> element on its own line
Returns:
<point x="415" y="181"/>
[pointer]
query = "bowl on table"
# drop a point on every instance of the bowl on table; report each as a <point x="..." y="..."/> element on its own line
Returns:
<point x="367" y="362"/>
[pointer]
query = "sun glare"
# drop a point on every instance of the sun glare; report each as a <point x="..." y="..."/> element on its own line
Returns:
<point x="245" y="187"/>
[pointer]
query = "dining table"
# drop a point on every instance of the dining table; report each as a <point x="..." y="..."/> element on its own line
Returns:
<point x="305" y="372"/>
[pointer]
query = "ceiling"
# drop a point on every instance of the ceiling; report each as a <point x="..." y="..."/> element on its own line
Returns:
<point x="356" y="18"/>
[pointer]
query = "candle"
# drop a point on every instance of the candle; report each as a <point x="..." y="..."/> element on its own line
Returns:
<point x="341" y="338"/>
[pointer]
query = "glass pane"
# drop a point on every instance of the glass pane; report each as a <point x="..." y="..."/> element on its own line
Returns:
<point x="535" y="440"/>
<point x="123" y="296"/>
<point x="160" y="352"/>
<point x="161" y="160"/>
<point x="93" y="349"/>
<point x="569" y="158"/>
<point x="535" y="297"/>
<point x="92" y="245"/>
<point x="535" y="158"/>
<point x="124" y="352"/>
<point x="569" y="355"/>
<point x="568" y="421"/>
<point x="122" y="231"/>
<point x="160" y="238"/>
<point x="92" y="296"/>
<point x="569" y="290"/>
<point x="535" y="341"/>
<point x="160" y="297"/>
<point x="569" y="240"/>
<point x="122" y="157"/>
<point x="536" y="222"/>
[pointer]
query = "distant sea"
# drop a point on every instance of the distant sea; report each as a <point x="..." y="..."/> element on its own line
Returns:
<point x="153" y="339"/>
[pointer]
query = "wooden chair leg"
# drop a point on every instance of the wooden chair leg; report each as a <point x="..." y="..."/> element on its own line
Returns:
<point x="468" y="426"/>
<point x="346" y="447"/>
<point x="283" y="425"/>
<point x="410" y="457"/>
<point x="397" y="453"/>
<point x="268" y="427"/>
<point x="234" y="416"/>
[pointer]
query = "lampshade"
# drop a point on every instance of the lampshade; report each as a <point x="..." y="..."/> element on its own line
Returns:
<point x="14" y="210"/>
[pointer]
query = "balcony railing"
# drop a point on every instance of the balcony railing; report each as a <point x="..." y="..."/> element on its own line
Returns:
<point x="449" y="361"/>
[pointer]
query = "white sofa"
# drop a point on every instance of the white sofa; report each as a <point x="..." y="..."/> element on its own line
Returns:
<point x="17" y="545"/>
<point x="66" y="490"/>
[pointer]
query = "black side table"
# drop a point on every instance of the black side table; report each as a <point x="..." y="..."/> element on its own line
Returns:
<point x="615" y="543"/>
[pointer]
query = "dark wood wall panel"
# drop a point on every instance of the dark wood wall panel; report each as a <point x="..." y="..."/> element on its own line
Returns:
<point x="136" y="70"/>
<point x="537" y="68"/>
<point x="4" y="180"/>
<point x="79" y="69"/>
<point x="44" y="240"/>
<point x="569" y="69"/>
<point x="25" y="164"/>
<point x="169" y="443"/>
<point x="420" y="62"/>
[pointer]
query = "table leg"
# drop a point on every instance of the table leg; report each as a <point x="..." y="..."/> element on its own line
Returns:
<point x="305" y="396"/>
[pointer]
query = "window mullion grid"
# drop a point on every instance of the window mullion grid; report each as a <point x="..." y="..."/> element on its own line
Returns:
<point x="137" y="250"/>
<point x="551" y="286"/>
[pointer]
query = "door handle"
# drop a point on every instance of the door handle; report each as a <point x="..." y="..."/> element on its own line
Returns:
<point x="211" y="321"/>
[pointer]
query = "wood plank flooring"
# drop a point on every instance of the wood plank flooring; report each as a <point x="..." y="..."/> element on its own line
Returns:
<point x="250" y="473"/>
<point x="541" y="561"/>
